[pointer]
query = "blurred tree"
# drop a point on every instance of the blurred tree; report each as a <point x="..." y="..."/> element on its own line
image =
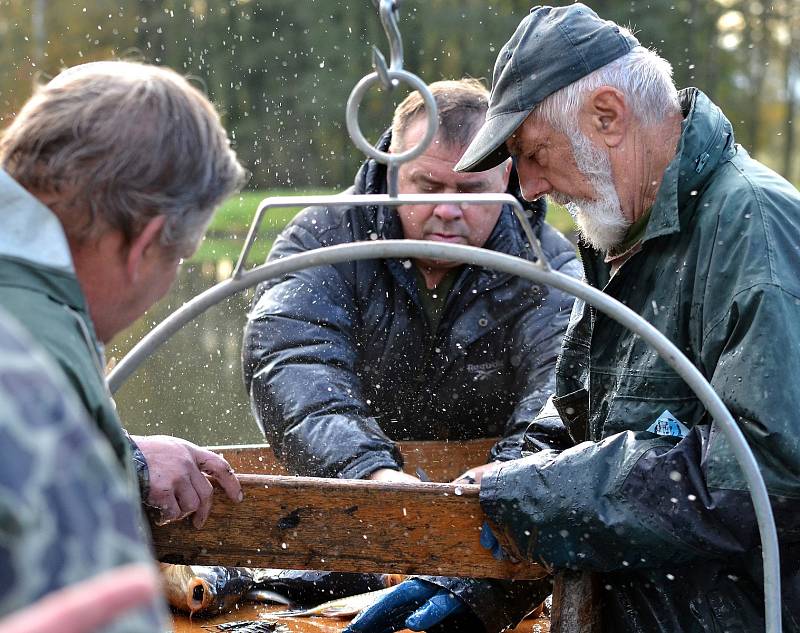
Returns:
<point x="281" y="70"/>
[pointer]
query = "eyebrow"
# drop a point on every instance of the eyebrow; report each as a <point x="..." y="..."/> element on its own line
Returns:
<point x="422" y="176"/>
<point x="512" y="144"/>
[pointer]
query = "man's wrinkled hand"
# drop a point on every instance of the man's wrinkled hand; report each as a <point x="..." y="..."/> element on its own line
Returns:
<point x="474" y="475"/>
<point x="414" y="604"/>
<point x="179" y="472"/>
<point x="393" y="476"/>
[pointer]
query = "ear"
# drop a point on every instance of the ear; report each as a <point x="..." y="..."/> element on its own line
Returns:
<point x="608" y="114"/>
<point x="506" y="172"/>
<point x="142" y="245"/>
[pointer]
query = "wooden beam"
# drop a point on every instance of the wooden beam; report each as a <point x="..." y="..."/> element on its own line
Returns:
<point x="441" y="461"/>
<point x="576" y="603"/>
<point x="342" y="525"/>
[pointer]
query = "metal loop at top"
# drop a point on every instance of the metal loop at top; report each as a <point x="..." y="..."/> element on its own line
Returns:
<point x="351" y="118"/>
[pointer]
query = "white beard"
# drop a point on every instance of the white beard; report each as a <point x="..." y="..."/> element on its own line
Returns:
<point x="601" y="221"/>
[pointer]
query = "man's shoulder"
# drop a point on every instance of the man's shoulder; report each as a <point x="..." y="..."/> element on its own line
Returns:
<point x="48" y="321"/>
<point x="65" y="337"/>
<point x="558" y="250"/>
<point x="751" y="210"/>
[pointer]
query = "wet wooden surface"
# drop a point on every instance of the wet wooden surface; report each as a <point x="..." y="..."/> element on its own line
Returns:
<point x="182" y="624"/>
<point x="403" y="526"/>
<point x="342" y="525"/>
<point x="441" y="461"/>
<point x="576" y="603"/>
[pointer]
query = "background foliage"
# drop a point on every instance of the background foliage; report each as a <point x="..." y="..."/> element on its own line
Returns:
<point x="281" y="70"/>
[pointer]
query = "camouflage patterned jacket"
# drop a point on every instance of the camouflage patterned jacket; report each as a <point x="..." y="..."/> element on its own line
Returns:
<point x="66" y="510"/>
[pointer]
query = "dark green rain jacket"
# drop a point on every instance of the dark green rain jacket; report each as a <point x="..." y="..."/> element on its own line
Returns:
<point x="630" y="477"/>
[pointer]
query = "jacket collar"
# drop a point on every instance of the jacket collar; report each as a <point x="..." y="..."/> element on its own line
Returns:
<point x="31" y="232"/>
<point x="706" y="140"/>
<point x="34" y="247"/>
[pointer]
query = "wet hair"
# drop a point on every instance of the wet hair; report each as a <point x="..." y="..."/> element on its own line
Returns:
<point x="111" y="145"/>
<point x="641" y="75"/>
<point x="461" y="106"/>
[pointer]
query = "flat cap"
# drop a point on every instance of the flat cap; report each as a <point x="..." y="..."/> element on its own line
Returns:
<point x="551" y="48"/>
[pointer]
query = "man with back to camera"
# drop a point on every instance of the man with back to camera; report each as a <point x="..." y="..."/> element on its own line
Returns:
<point x="342" y="361"/>
<point x="112" y="171"/>
<point x="683" y="227"/>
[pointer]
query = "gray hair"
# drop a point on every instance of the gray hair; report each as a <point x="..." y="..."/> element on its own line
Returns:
<point x="641" y="75"/>
<point x="113" y="144"/>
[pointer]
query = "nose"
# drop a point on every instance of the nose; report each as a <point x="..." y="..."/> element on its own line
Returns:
<point x="448" y="211"/>
<point x="531" y="182"/>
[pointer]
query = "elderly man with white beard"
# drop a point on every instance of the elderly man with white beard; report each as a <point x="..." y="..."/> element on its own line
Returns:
<point x="626" y="474"/>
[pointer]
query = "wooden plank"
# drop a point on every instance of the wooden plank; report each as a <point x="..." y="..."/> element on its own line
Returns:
<point x="342" y="525"/>
<point x="576" y="603"/>
<point x="441" y="461"/>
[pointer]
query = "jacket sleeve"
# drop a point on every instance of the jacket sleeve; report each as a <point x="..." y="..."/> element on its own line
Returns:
<point x="642" y="500"/>
<point x="299" y="360"/>
<point x="537" y="336"/>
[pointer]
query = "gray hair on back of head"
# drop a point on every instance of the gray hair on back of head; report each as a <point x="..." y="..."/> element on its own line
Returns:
<point x="113" y="144"/>
<point x="641" y="75"/>
<point x="461" y="106"/>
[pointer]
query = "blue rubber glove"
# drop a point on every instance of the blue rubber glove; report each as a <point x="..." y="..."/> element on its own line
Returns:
<point x="414" y="604"/>
<point x="489" y="541"/>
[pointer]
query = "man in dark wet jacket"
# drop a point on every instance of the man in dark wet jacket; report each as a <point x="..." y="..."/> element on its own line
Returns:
<point x="629" y="476"/>
<point x="342" y="361"/>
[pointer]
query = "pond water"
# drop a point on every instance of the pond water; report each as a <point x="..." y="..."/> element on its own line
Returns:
<point x="192" y="385"/>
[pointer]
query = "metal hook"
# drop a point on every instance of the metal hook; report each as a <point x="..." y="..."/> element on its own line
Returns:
<point x="379" y="64"/>
<point x="389" y="10"/>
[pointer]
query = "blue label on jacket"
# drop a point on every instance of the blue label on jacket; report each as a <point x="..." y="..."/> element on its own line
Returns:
<point x="668" y="424"/>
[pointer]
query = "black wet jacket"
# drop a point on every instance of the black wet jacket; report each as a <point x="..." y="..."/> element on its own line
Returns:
<point x="340" y="361"/>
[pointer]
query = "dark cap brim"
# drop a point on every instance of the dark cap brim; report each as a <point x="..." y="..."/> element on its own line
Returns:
<point x="488" y="148"/>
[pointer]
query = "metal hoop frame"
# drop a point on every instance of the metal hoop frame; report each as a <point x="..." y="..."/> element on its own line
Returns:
<point x="516" y="266"/>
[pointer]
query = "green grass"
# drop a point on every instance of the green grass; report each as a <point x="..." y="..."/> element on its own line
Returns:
<point x="228" y="229"/>
<point x="560" y="218"/>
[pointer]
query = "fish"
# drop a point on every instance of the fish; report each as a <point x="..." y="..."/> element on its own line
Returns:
<point x="252" y="626"/>
<point x="344" y="608"/>
<point x="209" y="590"/>
<point x="201" y="590"/>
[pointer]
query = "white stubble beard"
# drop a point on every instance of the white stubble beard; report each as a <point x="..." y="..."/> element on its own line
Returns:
<point x="601" y="221"/>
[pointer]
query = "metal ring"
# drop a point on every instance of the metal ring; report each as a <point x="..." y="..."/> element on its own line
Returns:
<point x="351" y="118"/>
